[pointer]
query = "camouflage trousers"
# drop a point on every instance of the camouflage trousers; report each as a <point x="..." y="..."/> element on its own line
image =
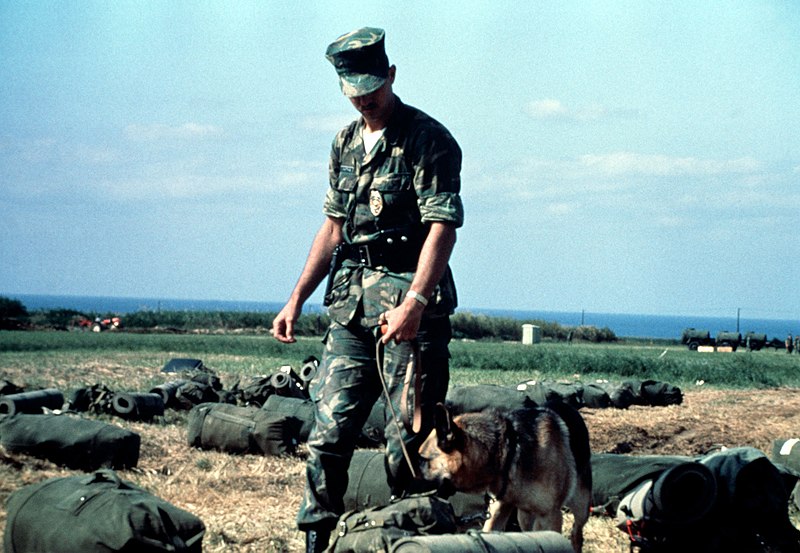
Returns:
<point x="346" y="388"/>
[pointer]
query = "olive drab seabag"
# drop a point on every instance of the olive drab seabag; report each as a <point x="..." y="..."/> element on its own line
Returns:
<point x="300" y="409"/>
<point x="368" y="486"/>
<point x="377" y="528"/>
<point x="71" y="441"/>
<point x="97" y="513"/>
<point x="236" y="429"/>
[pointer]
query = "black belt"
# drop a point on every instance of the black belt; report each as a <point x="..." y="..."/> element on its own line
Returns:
<point x="397" y="256"/>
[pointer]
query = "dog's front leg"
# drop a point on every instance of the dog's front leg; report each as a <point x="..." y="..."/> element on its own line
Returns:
<point x="499" y="513"/>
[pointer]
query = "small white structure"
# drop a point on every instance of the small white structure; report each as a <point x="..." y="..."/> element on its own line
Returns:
<point x="531" y="334"/>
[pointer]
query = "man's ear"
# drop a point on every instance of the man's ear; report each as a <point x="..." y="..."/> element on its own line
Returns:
<point x="445" y="428"/>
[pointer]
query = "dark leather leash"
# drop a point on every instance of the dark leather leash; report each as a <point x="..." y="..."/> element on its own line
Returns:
<point x="413" y="423"/>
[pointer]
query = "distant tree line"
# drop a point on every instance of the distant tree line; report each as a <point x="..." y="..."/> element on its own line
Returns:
<point x="466" y="325"/>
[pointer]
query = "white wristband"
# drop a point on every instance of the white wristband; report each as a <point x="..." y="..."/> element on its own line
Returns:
<point x="417" y="296"/>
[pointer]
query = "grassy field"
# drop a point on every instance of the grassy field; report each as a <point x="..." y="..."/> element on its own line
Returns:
<point x="234" y="355"/>
<point x="248" y="501"/>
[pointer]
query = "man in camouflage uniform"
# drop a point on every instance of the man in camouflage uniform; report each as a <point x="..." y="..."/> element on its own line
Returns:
<point x="392" y="211"/>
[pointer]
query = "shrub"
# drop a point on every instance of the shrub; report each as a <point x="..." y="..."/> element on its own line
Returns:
<point x="13" y="313"/>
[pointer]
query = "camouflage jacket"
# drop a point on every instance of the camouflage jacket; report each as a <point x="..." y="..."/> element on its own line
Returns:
<point x="409" y="179"/>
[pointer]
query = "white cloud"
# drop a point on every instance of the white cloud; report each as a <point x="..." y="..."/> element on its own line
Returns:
<point x="542" y="109"/>
<point x="629" y="163"/>
<point x="550" y="108"/>
<point x="146" y="133"/>
<point x="326" y="123"/>
<point x="559" y="208"/>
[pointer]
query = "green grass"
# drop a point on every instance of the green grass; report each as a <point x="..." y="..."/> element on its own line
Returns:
<point x="75" y="355"/>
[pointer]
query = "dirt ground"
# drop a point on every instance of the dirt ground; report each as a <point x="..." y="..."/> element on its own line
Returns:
<point x="248" y="502"/>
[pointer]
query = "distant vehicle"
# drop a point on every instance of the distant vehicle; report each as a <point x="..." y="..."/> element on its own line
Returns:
<point x="694" y="338"/>
<point x="729" y="339"/>
<point x="753" y="341"/>
<point x="99" y="325"/>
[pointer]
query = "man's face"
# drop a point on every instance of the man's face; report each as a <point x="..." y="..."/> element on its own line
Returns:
<point x="376" y="105"/>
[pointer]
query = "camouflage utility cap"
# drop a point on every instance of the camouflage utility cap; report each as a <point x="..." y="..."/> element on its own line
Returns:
<point x="360" y="61"/>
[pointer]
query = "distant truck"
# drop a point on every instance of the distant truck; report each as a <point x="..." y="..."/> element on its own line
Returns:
<point x="729" y="339"/>
<point x="694" y="338"/>
<point x="753" y="341"/>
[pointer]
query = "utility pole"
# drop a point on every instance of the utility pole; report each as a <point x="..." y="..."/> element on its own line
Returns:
<point x="738" y="312"/>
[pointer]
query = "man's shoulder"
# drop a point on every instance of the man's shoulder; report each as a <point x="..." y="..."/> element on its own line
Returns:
<point x="418" y="118"/>
<point x="417" y="124"/>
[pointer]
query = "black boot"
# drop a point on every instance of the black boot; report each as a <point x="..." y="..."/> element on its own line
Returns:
<point x="317" y="540"/>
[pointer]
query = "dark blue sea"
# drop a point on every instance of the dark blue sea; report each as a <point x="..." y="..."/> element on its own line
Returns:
<point x="623" y="325"/>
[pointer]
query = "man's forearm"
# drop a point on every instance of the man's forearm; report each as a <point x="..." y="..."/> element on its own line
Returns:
<point x="318" y="261"/>
<point x="433" y="258"/>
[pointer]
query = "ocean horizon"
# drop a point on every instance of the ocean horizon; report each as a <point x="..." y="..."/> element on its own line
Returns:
<point x="624" y="325"/>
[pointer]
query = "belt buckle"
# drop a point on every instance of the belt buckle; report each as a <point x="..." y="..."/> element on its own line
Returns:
<point x="363" y="256"/>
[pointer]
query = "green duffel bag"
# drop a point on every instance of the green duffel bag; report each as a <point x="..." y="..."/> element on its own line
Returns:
<point x="486" y="542"/>
<point x="301" y="409"/>
<point x="540" y="392"/>
<point x="479" y="397"/>
<point x="376" y="529"/>
<point x="236" y="429"/>
<point x="71" y="441"/>
<point x="368" y="486"/>
<point x="96" y="513"/>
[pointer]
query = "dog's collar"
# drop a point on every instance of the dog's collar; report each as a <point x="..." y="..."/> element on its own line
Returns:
<point x="511" y="451"/>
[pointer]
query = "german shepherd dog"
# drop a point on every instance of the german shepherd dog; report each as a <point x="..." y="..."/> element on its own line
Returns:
<point x="536" y="460"/>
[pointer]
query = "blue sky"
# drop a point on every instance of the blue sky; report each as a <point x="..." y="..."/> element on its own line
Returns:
<point x="623" y="157"/>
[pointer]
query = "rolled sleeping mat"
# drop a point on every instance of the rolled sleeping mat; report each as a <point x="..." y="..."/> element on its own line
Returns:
<point x="168" y="391"/>
<point x="31" y="403"/>
<point x="485" y="542"/>
<point x="135" y="405"/>
<point x="287" y="384"/>
<point x="368" y="487"/>
<point x="681" y="495"/>
<point x="301" y="409"/>
<point x="308" y="371"/>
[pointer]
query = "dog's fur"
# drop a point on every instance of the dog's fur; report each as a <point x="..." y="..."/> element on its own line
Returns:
<point x="536" y="460"/>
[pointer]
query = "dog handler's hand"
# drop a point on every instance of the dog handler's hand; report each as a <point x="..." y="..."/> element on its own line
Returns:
<point x="283" y="325"/>
<point x="401" y="323"/>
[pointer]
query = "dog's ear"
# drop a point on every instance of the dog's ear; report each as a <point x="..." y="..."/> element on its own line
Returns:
<point x="445" y="428"/>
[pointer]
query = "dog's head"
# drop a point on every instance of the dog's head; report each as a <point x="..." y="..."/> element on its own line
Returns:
<point x="451" y="456"/>
<point x="439" y="453"/>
